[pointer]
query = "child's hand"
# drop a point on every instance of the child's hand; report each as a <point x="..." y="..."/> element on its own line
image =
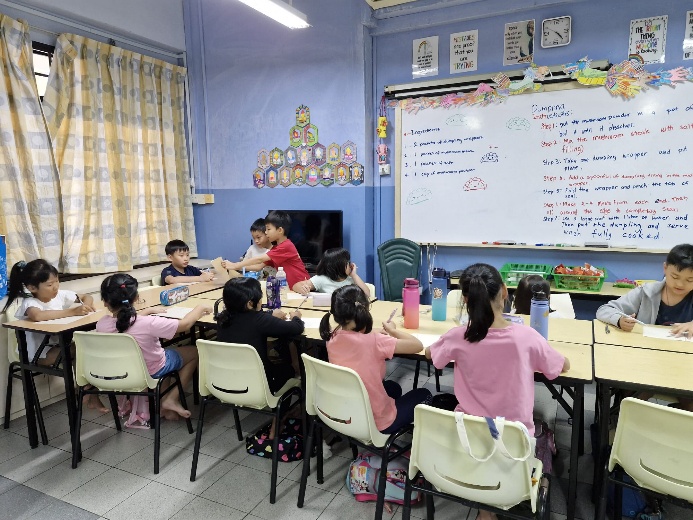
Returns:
<point x="278" y="313"/>
<point x="302" y="288"/>
<point x="89" y="307"/>
<point x="684" y="330"/>
<point x="627" y="323"/>
<point x="203" y="310"/>
<point x="224" y="264"/>
<point x="81" y="310"/>
<point x="296" y="314"/>
<point x="389" y="327"/>
<point x="152" y="310"/>
<point x="206" y="276"/>
<point x="354" y="267"/>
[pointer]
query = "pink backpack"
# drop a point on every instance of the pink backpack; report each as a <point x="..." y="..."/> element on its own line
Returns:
<point x="138" y="409"/>
<point x="362" y="479"/>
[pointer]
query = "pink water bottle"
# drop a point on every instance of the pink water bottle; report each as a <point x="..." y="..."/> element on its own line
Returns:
<point x="410" y="303"/>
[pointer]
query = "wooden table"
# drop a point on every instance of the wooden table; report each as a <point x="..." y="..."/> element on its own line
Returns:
<point x="635" y="339"/>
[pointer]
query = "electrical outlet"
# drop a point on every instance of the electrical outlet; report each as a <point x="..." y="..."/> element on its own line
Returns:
<point x="199" y="198"/>
<point x="384" y="169"/>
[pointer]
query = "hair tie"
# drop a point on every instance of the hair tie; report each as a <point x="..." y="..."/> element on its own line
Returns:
<point x="21" y="264"/>
<point x="122" y="286"/>
<point x="126" y="302"/>
<point x="357" y="304"/>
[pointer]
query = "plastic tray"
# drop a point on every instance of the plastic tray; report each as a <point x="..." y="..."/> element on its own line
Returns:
<point x="578" y="282"/>
<point x="513" y="273"/>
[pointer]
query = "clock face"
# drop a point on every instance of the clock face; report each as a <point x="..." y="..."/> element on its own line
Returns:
<point x="555" y="31"/>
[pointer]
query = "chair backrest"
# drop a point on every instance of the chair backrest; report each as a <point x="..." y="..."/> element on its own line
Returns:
<point x="338" y="397"/>
<point x="371" y="288"/>
<point x="12" y="347"/>
<point x="454" y="298"/>
<point x="233" y="373"/>
<point x="399" y="258"/>
<point x="653" y="445"/>
<point x="438" y="453"/>
<point x="563" y="304"/>
<point x="111" y="361"/>
<point x="156" y="280"/>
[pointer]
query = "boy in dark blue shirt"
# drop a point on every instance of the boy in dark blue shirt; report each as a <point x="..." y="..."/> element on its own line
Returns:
<point x="179" y="271"/>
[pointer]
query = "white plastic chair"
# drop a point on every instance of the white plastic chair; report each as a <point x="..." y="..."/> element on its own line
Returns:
<point x="454" y="297"/>
<point x="496" y="484"/>
<point x="113" y="364"/>
<point x="15" y="373"/>
<point x="563" y="305"/>
<point x="371" y="288"/>
<point x="234" y="375"/>
<point x="156" y="281"/>
<point x="653" y="446"/>
<point x="337" y="398"/>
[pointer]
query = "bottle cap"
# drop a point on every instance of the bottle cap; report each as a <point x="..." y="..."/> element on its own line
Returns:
<point x="411" y="282"/>
<point x="438" y="272"/>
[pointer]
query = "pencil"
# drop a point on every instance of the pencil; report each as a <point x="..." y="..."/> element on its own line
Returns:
<point x="392" y="315"/>
<point x="631" y="317"/>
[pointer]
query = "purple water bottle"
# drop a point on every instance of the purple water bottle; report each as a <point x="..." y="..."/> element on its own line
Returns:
<point x="273" y="289"/>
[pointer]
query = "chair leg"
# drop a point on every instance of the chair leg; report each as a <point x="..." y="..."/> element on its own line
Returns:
<point x="152" y="411"/>
<point x="601" y="504"/>
<point x="39" y="414"/>
<point x="382" y="482"/>
<point x="438" y="373"/>
<point x="196" y="387"/>
<point x="406" y="507"/>
<point x="416" y="374"/>
<point x="8" y="395"/>
<point x="237" y="421"/>
<point x="114" y="410"/>
<point x="77" y="429"/>
<point x="275" y="454"/>
<point x="428" y="369"/>
<point x="618" y="494"/>
<point x="319" y="459"/>
<point x="157" y="425"/>
<point x="198" y="439"/>
<point x="306" y="461"/>
<point x="430" y="507"/>
<point x="181" y="396"/>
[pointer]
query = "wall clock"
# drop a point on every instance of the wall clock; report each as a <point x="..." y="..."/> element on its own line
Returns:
<point x="555" y="32"/>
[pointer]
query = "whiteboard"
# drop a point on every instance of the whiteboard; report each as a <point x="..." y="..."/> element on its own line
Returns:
<point x="569" y="167"/>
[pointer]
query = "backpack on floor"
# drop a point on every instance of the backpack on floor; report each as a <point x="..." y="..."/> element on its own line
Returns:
<point x="290" y="442"/>
<point x="545" y="449"/>
<point x="136" y="409"/>
<point x="362" y="479"/>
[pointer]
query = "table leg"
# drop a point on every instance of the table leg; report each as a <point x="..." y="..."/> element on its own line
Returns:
<point x="574" y="449"/>
<point x="29" y="404"/>
<point x="604" y="408"/>
<point x="70" y="398"/>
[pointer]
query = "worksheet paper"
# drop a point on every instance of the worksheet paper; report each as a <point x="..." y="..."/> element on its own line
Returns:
<point x="650" y="331"/>
<point x="311" y="323"/>
<point x="177" y="313"/>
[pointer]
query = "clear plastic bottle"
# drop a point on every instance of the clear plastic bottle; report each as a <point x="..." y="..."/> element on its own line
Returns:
<point x="283" y="285"/>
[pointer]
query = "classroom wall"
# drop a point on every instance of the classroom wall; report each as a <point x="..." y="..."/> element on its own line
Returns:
<point x="249" y="75"/>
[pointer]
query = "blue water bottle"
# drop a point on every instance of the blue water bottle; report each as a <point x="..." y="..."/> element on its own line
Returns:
<point x="539" y="313"/>
<point x="439" y="301"/>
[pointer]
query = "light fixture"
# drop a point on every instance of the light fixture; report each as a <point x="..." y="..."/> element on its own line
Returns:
<point x="281" y="12"/>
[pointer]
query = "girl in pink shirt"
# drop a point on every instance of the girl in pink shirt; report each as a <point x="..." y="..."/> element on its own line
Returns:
<point x="119" y="294"/>
<point x="352" y="344"/>
<point x="495" y="360"/>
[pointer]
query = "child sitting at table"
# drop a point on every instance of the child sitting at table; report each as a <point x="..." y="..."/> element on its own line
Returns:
<point x="178" y="253"/>
<point x="261" y="244"/>
<point x="119" y="294"/>
<point x="495" y="360"/>
<point x="527" y="286"/>
<point x="352" y="344"/>
<point x="334" y="270"/>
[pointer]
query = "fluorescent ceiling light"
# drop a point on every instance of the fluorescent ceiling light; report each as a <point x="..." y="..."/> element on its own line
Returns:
<point x="281" y="12"/>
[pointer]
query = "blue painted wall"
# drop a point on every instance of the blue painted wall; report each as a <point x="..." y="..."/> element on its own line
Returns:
<point x="248" y="74"/>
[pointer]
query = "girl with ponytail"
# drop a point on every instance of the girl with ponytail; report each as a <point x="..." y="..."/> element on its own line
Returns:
<point x="119" y="294"/>
<point x="352" y="344"/>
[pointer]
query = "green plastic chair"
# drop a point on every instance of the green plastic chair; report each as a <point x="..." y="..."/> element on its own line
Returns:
<point x="399" y="258"/>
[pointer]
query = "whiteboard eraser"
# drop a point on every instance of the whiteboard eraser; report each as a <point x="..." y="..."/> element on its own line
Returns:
<point x="596" y="244"/>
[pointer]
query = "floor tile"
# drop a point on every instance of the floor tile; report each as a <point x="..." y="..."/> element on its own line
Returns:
<point x="250" y="487"/>
<point x="12" y="445"/>
<point x="117" y="448"/>
<point x="62" y="479"/>
<point x="561" y="466"/>
<point x="153" y="502"/>
<point x="344" y="507"/>
<point x="180" y="436"/>
<point x="584" y="508"/>
<point x="90" y="434"/>
<point x="33" y="462"/>
<point x="335" y="470"/>
<point x="56" y="425"/>
<point x="106" y="491"/>
<point x="142" y="462"/>
<point x="445" y="510"/>
<point x="201" y="508"/>
<point x="6" y="484"/>
<point x="62" y="511"/>
<point x="226" y="446"/>
<point x="209" y="470"/>
<point x="265" y="464"/>
<point x="284" y="508"/>
<point x="21" y="502"/>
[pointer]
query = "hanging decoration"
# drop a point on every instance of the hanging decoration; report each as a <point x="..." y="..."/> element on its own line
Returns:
<point x="625" y="79"/>
<point x="306" y="161"/>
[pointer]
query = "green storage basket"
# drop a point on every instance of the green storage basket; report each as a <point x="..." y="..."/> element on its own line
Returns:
<point x="513" y="273"/>
<point x="579" y="282"/>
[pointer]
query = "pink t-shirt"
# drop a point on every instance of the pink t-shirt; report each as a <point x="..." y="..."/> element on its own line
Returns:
<point x="495" y="377"/>
<point x="146" y="330"/>
<point x="365" y="354"/>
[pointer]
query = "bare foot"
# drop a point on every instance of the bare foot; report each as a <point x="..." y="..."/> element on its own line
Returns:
<point x="387" y="508"/>
<point x="170" y="416"/>
<point x="93" y="402"/>
<point x="486" y="515"/>
<point x="172" y="405"/>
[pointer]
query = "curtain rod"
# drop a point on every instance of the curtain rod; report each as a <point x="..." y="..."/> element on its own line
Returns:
<point x="89" y="29"/>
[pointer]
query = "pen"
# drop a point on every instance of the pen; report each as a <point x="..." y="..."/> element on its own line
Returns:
<point x="392" y="315"/>
<point x="545" y="245"/>
<point x="631" y="317"/>
<point x="304" y="301"/>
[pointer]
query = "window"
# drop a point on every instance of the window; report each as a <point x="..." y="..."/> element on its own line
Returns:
<point x="43" y="57"/>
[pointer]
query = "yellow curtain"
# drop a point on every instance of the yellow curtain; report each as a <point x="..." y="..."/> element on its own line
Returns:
<point x="30" y="212"/>
<point x="117" y="123"/>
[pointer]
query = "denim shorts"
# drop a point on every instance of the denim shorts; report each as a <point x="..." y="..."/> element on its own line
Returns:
<point x="174" y="361"/>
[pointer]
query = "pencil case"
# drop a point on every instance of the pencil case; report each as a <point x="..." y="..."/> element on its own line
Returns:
<point x="174" y="295"/>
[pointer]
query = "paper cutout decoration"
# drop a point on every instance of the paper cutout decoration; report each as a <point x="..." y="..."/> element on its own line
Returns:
<point x="276" y="157"/>
<point x="259" y="178"/>
<point x="333" y="153"/>
<point x="263" y="159"/>
<point x="296" y="136"/>
<point x="290" y="156"/>
<point x="356" y="171"/>
<point x="381" y="150"/>
<point x="272" y="177"/>
<point x="302" y="116"/>
<point x="305" y="155"/>
<point x="327" y="175"/>
<point x="310" y="135"/>
<point x="285" y="177"/>
<point x="342" y="174"/>
<point x="319" y="154"/>
<point x="313" y="175"/>
<point x="298" y="175"/>
<point x="348" y="152"/>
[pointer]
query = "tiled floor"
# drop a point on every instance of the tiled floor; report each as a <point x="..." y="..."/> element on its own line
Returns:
<point x="115" y="478"/>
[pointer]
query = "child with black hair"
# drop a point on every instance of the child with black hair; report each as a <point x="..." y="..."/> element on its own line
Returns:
<point x="178" y="253"/>
<point x="526" y="287"/>
<point x="119" y="294"/>
<point x="352" y="344"/>
<point x="335" y="270"/>
<point x="243" y="321"/>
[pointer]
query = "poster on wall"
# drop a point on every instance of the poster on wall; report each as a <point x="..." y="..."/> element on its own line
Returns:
<point x="463" y="51"/>
<point x="425" y="57"/>
<point x="648" y="38"/>
<point x="518" y="42"/>
<point x="688" y="37"/>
